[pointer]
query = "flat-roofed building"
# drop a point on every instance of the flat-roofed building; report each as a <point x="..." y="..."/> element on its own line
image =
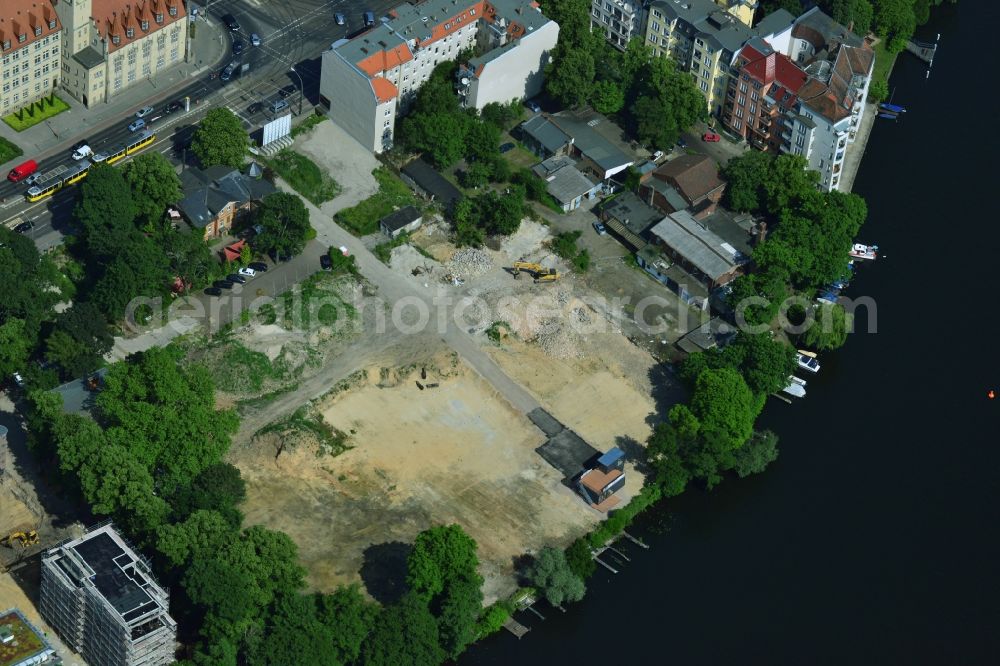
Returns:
<point x="30" y="34"/>
<point x="100" y="597"/>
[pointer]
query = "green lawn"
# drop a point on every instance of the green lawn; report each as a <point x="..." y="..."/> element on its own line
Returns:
<point x="302" y="174"/>
<point x="36" y="113"/>
<point x="8" y="150"/>
<point x="883" y="62"/>
<point x="392" y="193"/>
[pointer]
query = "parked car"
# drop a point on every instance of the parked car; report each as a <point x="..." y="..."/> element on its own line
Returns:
<point x="254" y="108"/>
<point x="235" y="278"/>
<point x="24" y="227"/>
<point x="259" y="266"/>
<point x="237" y="46"/>
<point x="223" y="284"/>
<point x="143" y="112"/>
<point x="600" y="228"/>
<point x="18" y="379"/>
<point x="340" y="18"/>
<point x="325" y="262"/>
<point x="247" y="272"/>
<point x="711" y="137"/>
<point x="369" y="18"/>
<point x="657" y="156"/>
<point x="32" y="179"/>
<point x="28" y="169"/>
<point x="278" y="105"/>
<point x="255" y="39"/>
<point x="681" y="143"/>
<point x="287" y="92"/>
<point x="213" y="291"/>
<point x="230" y="22"/>
<point x="172" y="107"/>
<point x="227" y="73"/>
<point x="533" y="106"/>
<point x="506" y="148"/>
<point x="136" y="125"/>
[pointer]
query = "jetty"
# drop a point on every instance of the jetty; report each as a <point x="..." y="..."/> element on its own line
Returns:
<point x="515" y="627"/>
<point x="923" y="50"/>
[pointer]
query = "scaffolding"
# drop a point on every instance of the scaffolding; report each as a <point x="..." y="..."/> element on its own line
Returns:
<point x="100" y="597"/>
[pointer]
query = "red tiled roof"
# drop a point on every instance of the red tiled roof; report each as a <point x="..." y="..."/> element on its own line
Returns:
<point x="384" y="89"/>
<point x="381" y="61"/>
<point x="114" y="18"/>
<point x="24" y="17"/>
<point x="458" y="21"/>
<point x="786" y="72"/>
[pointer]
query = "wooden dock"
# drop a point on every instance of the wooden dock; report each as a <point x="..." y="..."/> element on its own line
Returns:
<point x="923" y="50"/>
<point x="637" y="542"/>
<point x="515" y="627"/>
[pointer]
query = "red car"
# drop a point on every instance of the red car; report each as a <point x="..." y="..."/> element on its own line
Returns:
<point x="711" y="137"/>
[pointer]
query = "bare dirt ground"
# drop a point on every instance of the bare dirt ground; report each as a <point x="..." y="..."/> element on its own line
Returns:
<point x="450" y="454"/>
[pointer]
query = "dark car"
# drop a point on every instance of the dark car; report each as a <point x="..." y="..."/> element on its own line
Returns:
<point x="172" y="107"/>
<point x="213" y="291"/>
<point x="369" y="18"/>
<point x="236" y="279"/>
<point x="506" y="148"/>
<point x="254" y="108"/>
<point x="258" y="266"/>
<point x="533" y="106"/>
<point x="325" y="262"/>
<point x="339" y="18"/>
<point x="24" y="227"/>
<point x="223" y="284"/>
<point x="287" y="92"/>
<point x="238" y="46"/>
<point x="681" y="143"/>
<point x="230" y="21"/>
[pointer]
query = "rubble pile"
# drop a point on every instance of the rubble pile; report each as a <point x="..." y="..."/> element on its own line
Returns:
<point x="470" y="262"/>
<point x="557" y="340"/>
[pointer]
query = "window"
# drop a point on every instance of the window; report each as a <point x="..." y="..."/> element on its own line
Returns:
<point x="743" y="100"/>
<point x="704" y="87"/>
<point x="38" y="87"/>
<point x="754" y="96"/>
<point x="38" y="73"/>
<point x="38" y="59"/>
<point x="131" y="76"/>
<point x="159" y="17"/>
<point x="172" y="11"/>
<point x="118" y="83"/>
<point x="160" y="62"/>
<point x="145" y="25"/>
<point x="38" y="31"/>
<point x="131" y="56"/>
<point x="145" y="69"/>
<point x="52" y="24"/>
<point x="656" y="26"/>
<point x="6" y="44"/>
<point x="388" y="112"/>
<point x="737" y="124"/>
<point x="753" y="109"/>
<point x="21" y="38"/>
<point x="130" y="32"/>
<point x="116" y="39"/>
<point x="386" y="123"/>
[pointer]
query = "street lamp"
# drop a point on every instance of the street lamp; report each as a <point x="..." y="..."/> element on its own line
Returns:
<point x="302" y="88"/>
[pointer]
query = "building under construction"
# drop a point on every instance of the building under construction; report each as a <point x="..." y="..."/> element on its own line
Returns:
<point x="100" y="597"/>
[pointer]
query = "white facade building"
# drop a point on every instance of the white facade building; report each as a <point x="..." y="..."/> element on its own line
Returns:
<point x="619" y="20"/>
<point x="366" y="81"/>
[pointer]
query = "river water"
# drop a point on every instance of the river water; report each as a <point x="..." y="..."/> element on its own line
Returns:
<point x="874" y="537"/>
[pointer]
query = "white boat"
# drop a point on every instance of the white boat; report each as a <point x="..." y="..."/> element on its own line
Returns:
<point x="796" y="387"/>
<point x="862" y="251"/>
<point x="807" y="361"/>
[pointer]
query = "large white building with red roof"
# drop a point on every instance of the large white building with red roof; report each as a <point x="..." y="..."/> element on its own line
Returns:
<point x="30" y="33"/>
<point x="110" y="45"/>
<point x="368" y="80"/>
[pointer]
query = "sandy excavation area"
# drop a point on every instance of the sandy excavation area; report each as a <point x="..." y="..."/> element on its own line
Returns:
<point x="450" y="454"/>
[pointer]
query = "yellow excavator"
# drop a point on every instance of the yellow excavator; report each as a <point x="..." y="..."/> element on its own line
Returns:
<point x="541" y="273"/>
<point x="22" y="538"/>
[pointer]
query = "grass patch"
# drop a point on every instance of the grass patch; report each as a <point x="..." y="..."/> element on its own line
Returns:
<point x="564" y="245"/>
<point x="36" y="113"/>
<point x="307" y="125"/>
<point x="884" y="62"/>
<point x="315" y="298"/>
<point x="497" y="331"/>
<point x="384" y="250"/>
<point x="242" y="370"/>
<point x="303" y="422"/>
<point x="393" y="193"/>
<point x="8" y="150"/>
<point x="304" y="176"/>
<point x="261" y="400"/>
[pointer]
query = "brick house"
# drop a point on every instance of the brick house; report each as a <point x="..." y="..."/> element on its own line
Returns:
<point x="217" y="198"/>
<point x="689" y="182"/>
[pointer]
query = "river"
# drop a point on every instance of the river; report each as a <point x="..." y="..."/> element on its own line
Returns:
<point x="874" y="537"/>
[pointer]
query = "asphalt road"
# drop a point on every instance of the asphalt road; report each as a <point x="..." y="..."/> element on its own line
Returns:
<point x="294" y="33"/>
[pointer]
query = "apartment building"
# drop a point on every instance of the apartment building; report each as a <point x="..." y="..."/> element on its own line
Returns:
<point x="111" y="45"/>
<point x="619" y="20"/>
<point x="366" y="82"/>
<point x="763" y="91"/>
<point x="101" y="599"/>
<point x="30" y="33"/>
<point x="743" y="10"/>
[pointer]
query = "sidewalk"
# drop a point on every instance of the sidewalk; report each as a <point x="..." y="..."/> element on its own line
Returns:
<point x="856" y="151"/>
<point x="208" y="48"/>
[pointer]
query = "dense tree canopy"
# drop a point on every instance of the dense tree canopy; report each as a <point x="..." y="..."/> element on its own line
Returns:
<point x="725" y="406"/>
<point x="285" y="223"/>
<point x="829" y="328"/>
<point x="404" y="633"/>
<point x="551" y="573"/>
<point x="220" y="139"/>
<point x="154" y="183"/>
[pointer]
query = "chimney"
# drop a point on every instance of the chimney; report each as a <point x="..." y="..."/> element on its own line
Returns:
<point x="769" y="63"/>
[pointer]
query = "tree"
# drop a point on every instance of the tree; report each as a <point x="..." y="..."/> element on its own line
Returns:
<point x="458" y="613"/>
<point x="465" y="217"/>
<point x="747" y="290"/>
<point x="404" y="633"/>
<point x="154" y="184"/>
<point x="218" y="487"/>
<point x="854" y="13"/>
<point x="764" y="362"/>
<point x="724" y="405"/>
<point x="225" y="594"/>
<point x="440" y="554"/>
<point x="501" y="215"/>
<point x="200" y="536"/>
<point x="294" y="635"/>
<point x="552" y="574"/>
<point x="502" y="115"/>
<point x="744" y="175"/>
<point x="895" y="22"/>
<point x="607" y="97"/>
<point x="29" y="290"/>
<point x="482" y="140"/>
<point x="829" y="329"/>
<point x="105" y="210"/>
<point x="879" y="91"/>
<point x="115" y="484"/>
<point x="15" y="347"/>
<point x="220" y="139"/>
<point x="580" y="559"/>
<point x="475" y="175"/>
<point x="285" y="222"/>
<point x="569" y="77"/>
<point x="754" y="456"/>
<point x="440" y="135"/>
<point x="665" y="102"/>
<point x="664" y="453"/>
<point x="348" y="617"/>
<point x="79" y="340"/>
<point x="77" y="440"/>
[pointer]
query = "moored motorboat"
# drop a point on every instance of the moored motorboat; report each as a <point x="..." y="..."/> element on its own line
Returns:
<point x="807" y="361"/>
<point x="796" y="387"/>
<point x="891" y="108"/>
<point x="888" y="116"/>
<point x="862" y="251"/>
